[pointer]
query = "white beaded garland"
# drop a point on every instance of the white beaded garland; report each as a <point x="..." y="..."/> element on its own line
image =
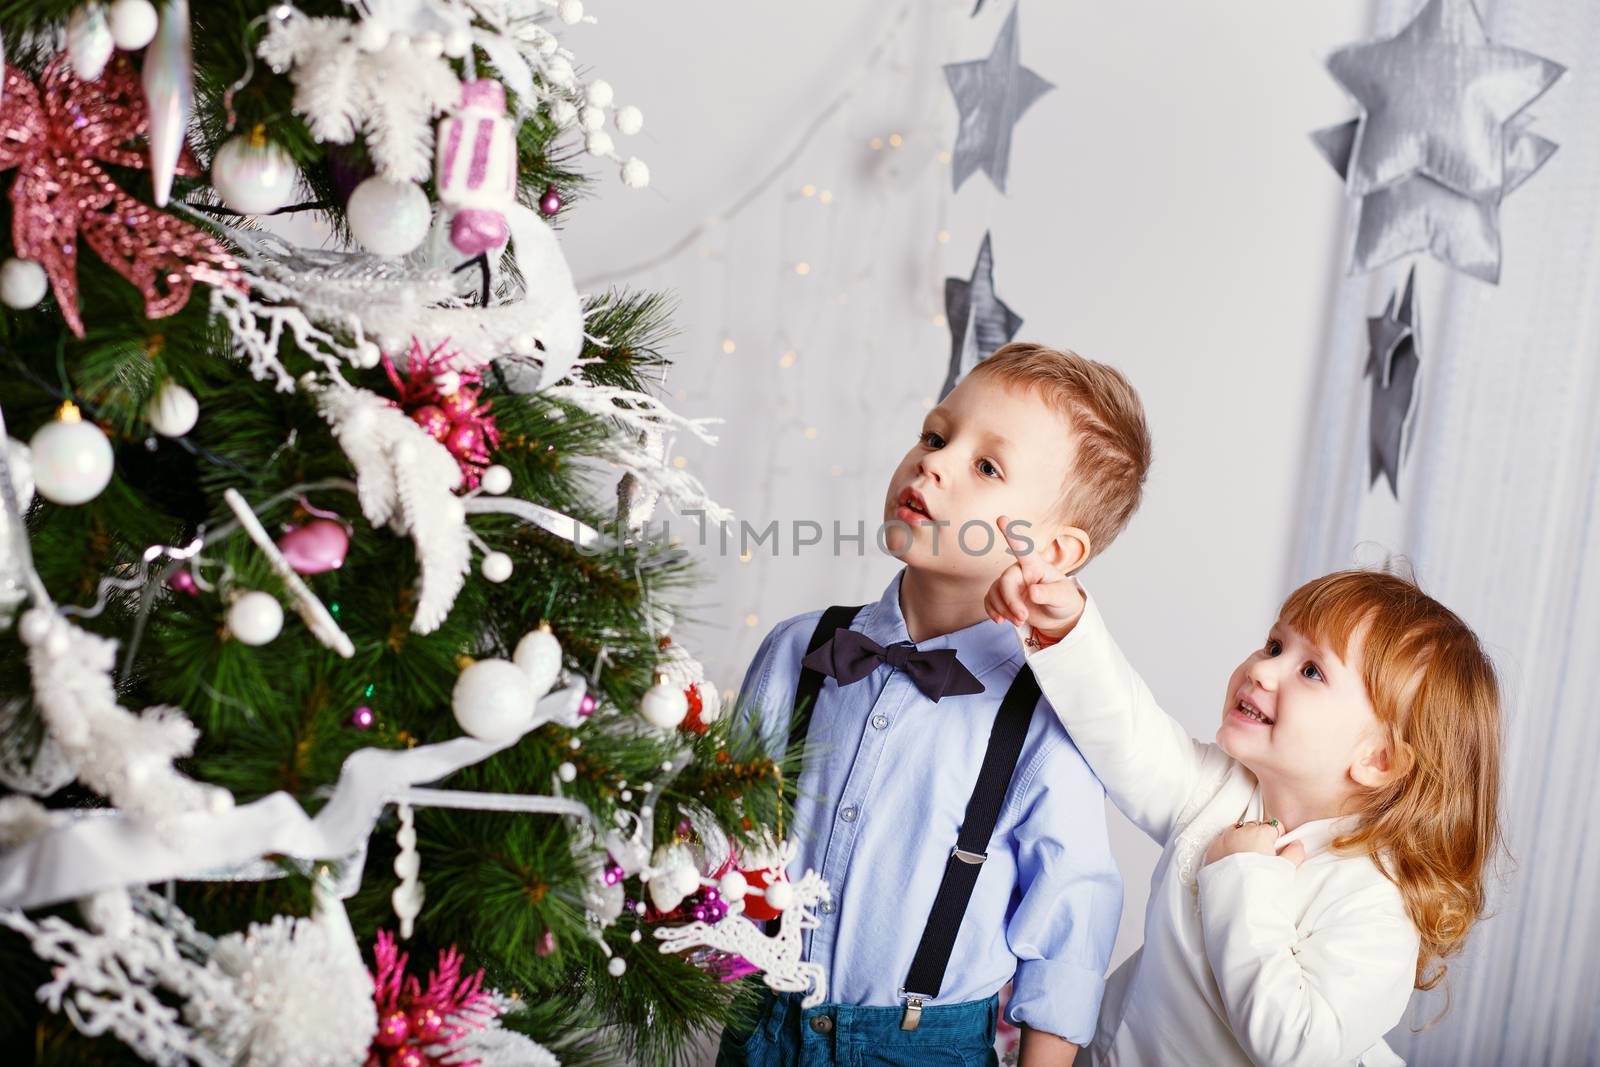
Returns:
<point x="566" y="772"/>
<point x="496" y="567"/>
<point x="629" y="120"/>
<point x="492" y="700"/>
<point x="600" y="93"/>
<point x="255" y="618"/>
<point x="570" y="11"/>
<point x="617" y="967"/>
<point x="562" y="113"/>
<point x="72" y="459"/>
<point x="389" y="218"/>
<point x="496" y="480"/>
<point x="635" y="173"/>
<point x="664" y="706"/>
<point x="599" y="143"/>
<point x="173" y="411"/>
<point x="254" y="175"/>
<point x="591" y="118"/>
<point x="133" y="24"/>
<point x="23" y="283"/>
<point x="558" y="72"/>
<point x="538" y="655"/>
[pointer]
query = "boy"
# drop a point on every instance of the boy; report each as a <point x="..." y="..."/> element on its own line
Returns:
<point x="948" y="882"/>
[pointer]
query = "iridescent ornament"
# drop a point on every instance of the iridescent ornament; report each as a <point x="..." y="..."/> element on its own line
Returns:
<point x="168" y="76"/>
<point x="172" y="411"/>
<point x="89" y="41"/>
<point x="389" y="218"/>
<point x="56" y="135"/>
<point x="254" y="175"/>
<point x="72" y="458"/>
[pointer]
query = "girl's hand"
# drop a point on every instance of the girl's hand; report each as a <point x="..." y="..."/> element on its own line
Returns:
<point x="1254" y="836"/>
<point x="1033" y="591"/>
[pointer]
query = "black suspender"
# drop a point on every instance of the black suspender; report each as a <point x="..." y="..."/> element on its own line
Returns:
<point x="961" y="870"/>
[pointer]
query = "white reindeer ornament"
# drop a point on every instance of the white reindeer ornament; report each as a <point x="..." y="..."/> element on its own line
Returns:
<point x="778" y="957"/>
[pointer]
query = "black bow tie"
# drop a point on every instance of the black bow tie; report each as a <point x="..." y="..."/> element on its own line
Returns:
<point x="849" y="656"/>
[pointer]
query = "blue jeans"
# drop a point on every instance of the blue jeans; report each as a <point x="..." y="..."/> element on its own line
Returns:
<point x="845" y="1035"/>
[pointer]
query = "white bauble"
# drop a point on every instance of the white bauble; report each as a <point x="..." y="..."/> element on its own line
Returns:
<point x="496" y="480"/>
<point x="733" y="886"/>
<point x="254" y="175"/>
<point x="20" y="460"/>
<point x="635" y="173"/>
<point x="538" y="655"/>
<point x="780" y="896"/>
<point x="629" y="120"/>
<point x="72" y="460"/>
<point x="23" y="283"/>
<point x="664" y="706"/>
<point x="496" y="567"/>
<point x="89" y="41"/>
<point x="173" y="411"/>
<point x="389" y="218"/>
<point x="493" y="700"/>
<point x="255" y="618"/>
<point x="617" y="966"/>
<point x="133" y="24"/>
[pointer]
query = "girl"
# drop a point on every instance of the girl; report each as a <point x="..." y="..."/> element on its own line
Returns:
<point x="1323" y="856"/>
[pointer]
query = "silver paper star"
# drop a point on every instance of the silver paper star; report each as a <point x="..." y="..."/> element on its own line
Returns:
<point x="979" y="322"/>
<point x="1436" y="98"/>
<point x="991" y="95"/>
<point x="1393" y="360"/>
<point x="1419" y="214"/>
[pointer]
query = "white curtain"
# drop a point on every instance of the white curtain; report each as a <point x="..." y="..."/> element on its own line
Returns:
<point x="1497" y="515"/>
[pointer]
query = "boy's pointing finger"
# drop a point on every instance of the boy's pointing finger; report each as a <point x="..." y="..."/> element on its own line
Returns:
<point x="1034" y="568"/>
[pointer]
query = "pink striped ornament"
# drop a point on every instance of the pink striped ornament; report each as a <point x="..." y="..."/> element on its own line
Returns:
<point x="476" y="167"/>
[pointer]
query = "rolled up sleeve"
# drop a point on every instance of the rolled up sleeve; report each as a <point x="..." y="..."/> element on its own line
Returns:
<point x="1069" y="901"/>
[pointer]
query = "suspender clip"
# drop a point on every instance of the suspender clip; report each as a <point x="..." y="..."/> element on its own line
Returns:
<point x="913" y="1016"/>
<point x="974" y="858"/>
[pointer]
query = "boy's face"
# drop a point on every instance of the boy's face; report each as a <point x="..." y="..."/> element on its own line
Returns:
<point x="988" y="450"/>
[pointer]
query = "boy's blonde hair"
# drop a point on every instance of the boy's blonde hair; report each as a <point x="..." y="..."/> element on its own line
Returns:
<point x="1112" y="453"/>
<point x="1433" y="829"/>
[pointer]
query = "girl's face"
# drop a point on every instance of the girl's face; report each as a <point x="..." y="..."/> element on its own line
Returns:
<point x="1297" y="714"/>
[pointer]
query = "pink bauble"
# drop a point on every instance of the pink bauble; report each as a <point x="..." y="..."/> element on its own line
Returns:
<point x="460" y="404"/>
<point x="426" y="1024"/>
<point x="183" y="581"/>
<point x="318" y="546"/>
<point x="394" y="1029"/>
<point x="410" y="1056"/>
<point x="465" y="441"/>
<point x="434" y="422"/>
<point x="550" y="202"/>
<point x="474" y="231"/>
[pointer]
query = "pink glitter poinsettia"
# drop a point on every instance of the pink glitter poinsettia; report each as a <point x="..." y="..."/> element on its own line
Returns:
<point x="420" y="1027"/>
<point x="457" y="417"/>
<point x="56" y="135"/>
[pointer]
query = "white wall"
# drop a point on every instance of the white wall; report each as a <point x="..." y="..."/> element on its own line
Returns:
<point x="1166" y="213"/>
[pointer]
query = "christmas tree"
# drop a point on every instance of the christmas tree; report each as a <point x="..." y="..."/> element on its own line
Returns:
<point x="341" y="718"/>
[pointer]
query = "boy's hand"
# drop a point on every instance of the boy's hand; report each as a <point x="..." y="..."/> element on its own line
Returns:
<point x="1259" y="837"/>
<point x="1031" y="590"/>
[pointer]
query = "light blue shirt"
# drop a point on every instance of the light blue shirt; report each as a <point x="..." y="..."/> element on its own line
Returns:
<point x="883" y="792"/>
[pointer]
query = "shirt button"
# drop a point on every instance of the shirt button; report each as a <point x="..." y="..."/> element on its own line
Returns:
<point x="827" y="907"/>
<point x="848" y="815"/>
<point x="822" y="1024"/>
<point x="880" y="721"/>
